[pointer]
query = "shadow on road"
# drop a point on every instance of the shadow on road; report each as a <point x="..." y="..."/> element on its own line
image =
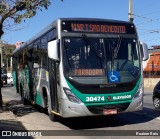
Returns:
<point x="149" y="112"/>
<point x="18" y="108"/>
<point x="122" y="119"/>
<point x="131" y="118"/>
<point x="12" y="127"/>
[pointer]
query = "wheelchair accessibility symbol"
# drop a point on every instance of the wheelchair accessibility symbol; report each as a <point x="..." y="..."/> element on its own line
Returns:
<point x="113" y="76"/>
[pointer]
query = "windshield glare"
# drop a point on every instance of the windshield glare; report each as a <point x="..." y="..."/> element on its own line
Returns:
<point x="101" y="60"/>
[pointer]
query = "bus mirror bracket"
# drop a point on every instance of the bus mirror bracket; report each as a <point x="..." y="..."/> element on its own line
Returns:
<point x="144" y="51"/>
<point x="53" y="50"/>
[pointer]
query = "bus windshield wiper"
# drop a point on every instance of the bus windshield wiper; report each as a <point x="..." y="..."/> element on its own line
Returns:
<point x="116" y="49"/>
<point x="114" y="52"/>
<point x="99" y="55"/>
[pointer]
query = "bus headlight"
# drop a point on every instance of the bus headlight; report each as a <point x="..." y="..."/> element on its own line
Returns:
<point x="139" y="92"/>
<point x="71" y="96"/>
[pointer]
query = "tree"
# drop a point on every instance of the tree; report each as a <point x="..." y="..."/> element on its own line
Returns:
<point x="17" y="11"/>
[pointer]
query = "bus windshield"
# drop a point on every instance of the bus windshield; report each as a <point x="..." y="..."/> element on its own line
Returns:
<point x="91" y="60"/>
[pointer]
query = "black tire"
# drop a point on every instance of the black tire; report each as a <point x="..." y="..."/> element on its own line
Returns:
<point x="156" y="102"/>
<point x="53" y="117"/>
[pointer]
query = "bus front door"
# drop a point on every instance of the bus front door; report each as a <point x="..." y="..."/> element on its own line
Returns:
<point x="53" y="84"/>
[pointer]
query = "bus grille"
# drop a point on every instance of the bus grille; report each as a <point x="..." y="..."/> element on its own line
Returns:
<point x="97" y="90"/>
<point x="99" y="109"/>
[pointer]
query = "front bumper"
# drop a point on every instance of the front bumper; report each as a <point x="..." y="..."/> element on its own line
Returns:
<point x="70" y="109"/>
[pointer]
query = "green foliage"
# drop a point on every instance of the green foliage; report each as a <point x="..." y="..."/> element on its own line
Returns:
<point x="2" y="9"/>
<point x="21" y="9"/>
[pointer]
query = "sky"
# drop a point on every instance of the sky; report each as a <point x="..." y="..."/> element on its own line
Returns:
<point x="146" y="17"/>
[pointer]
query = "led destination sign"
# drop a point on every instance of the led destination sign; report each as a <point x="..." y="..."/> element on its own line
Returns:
<point x="88" y="72"/>
<point x="97" y="27"/>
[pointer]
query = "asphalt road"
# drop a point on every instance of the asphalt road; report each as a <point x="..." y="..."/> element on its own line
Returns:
<point x="33" y="118"/>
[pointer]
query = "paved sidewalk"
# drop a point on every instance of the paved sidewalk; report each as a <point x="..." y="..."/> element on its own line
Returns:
<point x="8" y="120"/>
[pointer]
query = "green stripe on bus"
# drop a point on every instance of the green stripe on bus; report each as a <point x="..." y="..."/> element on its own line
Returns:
<point x="38" y="99"/>
<point x="99" y="99"/>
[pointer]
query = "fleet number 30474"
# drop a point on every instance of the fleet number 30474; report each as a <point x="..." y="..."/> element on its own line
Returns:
<point x="96" y="98"/>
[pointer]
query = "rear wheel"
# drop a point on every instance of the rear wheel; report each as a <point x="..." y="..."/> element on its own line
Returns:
<point x="156" y="103"/>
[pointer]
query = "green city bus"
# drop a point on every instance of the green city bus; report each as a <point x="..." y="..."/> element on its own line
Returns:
<point x="82" y="67"/>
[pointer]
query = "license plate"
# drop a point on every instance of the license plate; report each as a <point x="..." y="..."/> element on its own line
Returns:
<point x="110" y="112"/>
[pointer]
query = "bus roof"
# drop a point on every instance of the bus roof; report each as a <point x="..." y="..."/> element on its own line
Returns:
<point x="35" y="37"/>
<point x="54" y="24"/>
<point x="94" y="19"/>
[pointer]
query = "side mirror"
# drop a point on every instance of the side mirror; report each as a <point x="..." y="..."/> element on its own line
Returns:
<point x="53" y="50"/>
<point x="144" y="51"/>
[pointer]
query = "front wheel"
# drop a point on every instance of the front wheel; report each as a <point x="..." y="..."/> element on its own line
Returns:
<point x="53" y="117"/>
<point x="156" y="103"/>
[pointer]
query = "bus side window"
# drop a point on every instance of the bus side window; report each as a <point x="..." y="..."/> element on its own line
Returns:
<point x="25" y="60"/>
<point x="44" y="61"/>
<point x="36" y="63"/>
<point x="36" y="54"/>
<point x="20" y="65"/>
<point x="43" y="51"/>
<point x="51" y="35"/>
